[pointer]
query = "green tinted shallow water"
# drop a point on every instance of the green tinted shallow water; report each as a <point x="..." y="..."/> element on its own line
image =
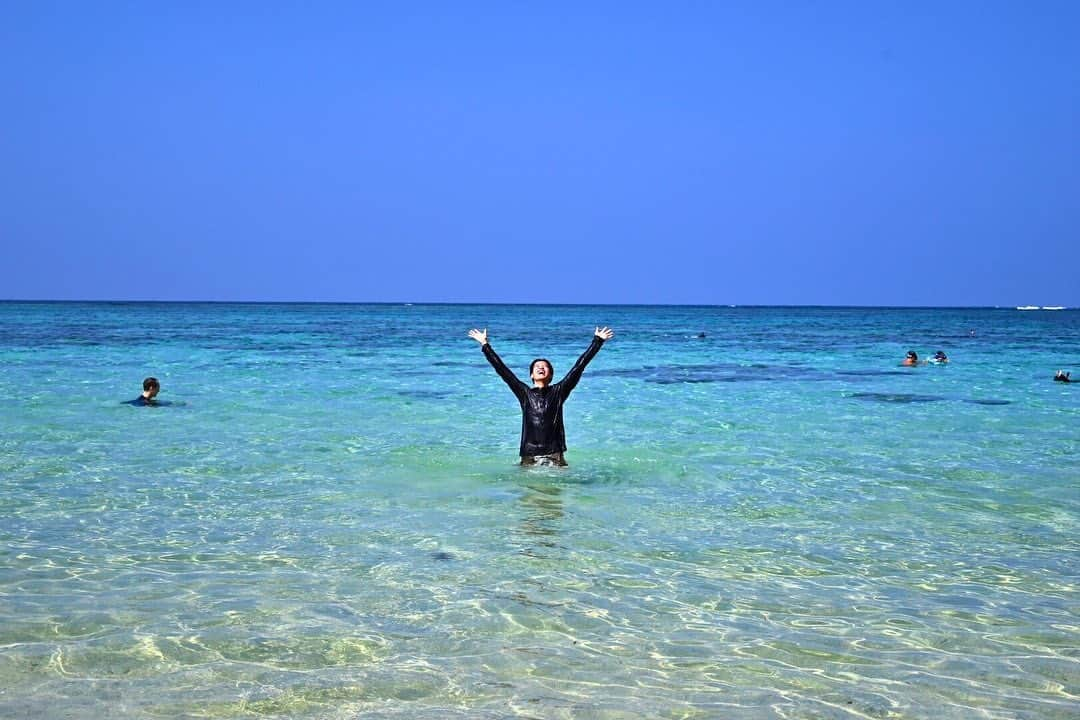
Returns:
<point x="772" y="521"/>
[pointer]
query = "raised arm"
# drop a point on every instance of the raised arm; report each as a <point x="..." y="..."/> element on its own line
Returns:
<point x="519" y="388"/>
<point x="569" y="382"/>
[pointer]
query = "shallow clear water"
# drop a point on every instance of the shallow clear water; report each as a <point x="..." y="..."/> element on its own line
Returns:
<point x="773" y="521"/>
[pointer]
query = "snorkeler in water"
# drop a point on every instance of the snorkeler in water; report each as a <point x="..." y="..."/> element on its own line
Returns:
<point x="543" y="437"/>
<point x="1062" y="376"/>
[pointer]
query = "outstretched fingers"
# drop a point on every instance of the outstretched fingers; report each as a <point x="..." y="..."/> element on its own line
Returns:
<point x="605" y="333"/>
<point x="479" y="336"/>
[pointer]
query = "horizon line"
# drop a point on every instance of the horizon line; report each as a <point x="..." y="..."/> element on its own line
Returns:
<point x="533" y="304"/>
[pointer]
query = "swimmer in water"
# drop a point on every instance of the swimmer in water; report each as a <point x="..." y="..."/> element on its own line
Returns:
<point x="1062" y="376"/>
<point x="940" y="358"/>
<point x="911" y="359"/>
<point x="150" y="388"/>
<point x="543" y="437"/>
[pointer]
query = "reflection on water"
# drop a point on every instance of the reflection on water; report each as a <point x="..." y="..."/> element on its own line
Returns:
<point x="541" y="515"/>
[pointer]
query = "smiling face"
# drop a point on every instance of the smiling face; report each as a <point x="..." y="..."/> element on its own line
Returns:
<point x="540" y="371"/>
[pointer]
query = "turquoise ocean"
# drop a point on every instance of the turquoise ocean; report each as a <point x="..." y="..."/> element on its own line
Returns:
<point x="327" y="520"/>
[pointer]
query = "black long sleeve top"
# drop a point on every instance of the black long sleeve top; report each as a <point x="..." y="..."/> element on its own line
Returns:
<point x="542" y="431"/>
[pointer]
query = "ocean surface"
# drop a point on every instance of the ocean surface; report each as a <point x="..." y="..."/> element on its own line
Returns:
<point x="325" y="518"/>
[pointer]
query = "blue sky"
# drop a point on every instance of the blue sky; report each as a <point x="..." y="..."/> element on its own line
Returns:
<point x="881" y="153"/>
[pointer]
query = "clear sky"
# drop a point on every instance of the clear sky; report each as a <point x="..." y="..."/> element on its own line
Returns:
<point x="869" y="153"/>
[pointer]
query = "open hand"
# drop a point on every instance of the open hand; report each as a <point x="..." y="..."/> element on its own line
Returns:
<point x="479" y="336"/>
<point x="605" y="333"/>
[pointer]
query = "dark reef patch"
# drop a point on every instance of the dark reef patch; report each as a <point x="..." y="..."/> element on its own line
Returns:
<point x="425" y="394"/>
<point x="898" y="398"/>
<point x="870" y="373"/>
<point x="721" y="372"/>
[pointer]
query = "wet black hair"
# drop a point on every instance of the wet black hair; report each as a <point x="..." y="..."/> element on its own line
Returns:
<point x="912" y="354"/>
<point x="150" y="383"/>
<point x="543" y="360"/>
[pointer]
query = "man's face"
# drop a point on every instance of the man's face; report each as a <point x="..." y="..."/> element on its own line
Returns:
<point x="541" y="371"/>
<point x="153" y="391"/>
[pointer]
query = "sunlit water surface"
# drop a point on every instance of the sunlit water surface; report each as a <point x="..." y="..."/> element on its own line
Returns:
<point x="774" y="520"/>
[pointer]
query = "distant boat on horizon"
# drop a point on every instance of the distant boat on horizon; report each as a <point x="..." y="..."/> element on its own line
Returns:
<point x="1036" y="307"/>
<point x="1027" y="307"/>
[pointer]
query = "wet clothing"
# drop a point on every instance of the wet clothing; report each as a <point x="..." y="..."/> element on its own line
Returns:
<point x="542" y="431"/>
<point x="150" y="402"/>
<point x="552" y="460"/>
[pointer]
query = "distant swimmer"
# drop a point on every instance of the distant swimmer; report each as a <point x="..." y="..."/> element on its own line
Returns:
<point x="150" y="388"/>
<point x="701" y="335"/>
<point x="911" y="359"/>
<point x="1062" y="376"/>
<point x="543" y="437"/>
<point x="940" y="358"/>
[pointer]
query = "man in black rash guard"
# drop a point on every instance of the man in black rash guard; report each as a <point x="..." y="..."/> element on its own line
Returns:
<point x="543" y="437"/>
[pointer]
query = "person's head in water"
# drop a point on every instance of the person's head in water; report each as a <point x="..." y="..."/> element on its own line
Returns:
<point x="912" y="358"/>
<point x="941" y="357"/>
<point x="150" y="388"/>
<point x="540" y="371"/>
